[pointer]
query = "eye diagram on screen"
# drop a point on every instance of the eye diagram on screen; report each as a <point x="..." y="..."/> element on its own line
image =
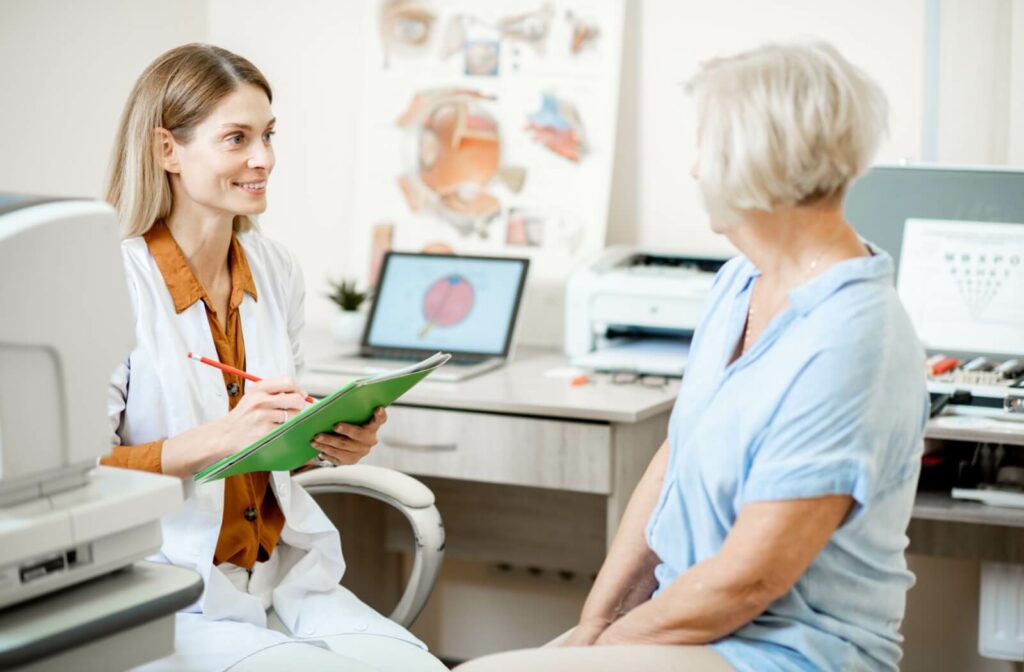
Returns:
<point x="447" y="302"/>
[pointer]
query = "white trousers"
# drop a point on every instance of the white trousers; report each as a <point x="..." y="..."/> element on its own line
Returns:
<point x="351" y="653"/>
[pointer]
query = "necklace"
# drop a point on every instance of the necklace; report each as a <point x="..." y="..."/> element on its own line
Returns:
<point x="813" y="266"/>
<point x="748" y="337"/>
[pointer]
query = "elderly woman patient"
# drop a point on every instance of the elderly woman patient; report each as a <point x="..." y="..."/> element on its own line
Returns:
<point x="768" y="532"/>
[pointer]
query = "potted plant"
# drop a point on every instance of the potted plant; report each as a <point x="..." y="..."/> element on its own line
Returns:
<point x="349" y="322"/>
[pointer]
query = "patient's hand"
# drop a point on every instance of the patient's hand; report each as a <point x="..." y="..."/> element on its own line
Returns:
<point x="584" y="634"/>
<point x="348" y="444"/>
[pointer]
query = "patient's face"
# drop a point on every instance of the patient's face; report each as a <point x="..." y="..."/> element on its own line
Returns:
<point x="722" y="219"/>
<point x="225" y="165"/>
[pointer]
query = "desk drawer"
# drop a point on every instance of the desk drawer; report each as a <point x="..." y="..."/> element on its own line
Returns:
<point x="494" y="448"/>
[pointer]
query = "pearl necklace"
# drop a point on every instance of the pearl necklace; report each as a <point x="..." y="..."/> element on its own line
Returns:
<point x="748" y="338"/>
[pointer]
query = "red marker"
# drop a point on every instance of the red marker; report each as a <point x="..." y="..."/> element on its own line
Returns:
<point x="231" y="369"/>
<point x="945" y="366"/>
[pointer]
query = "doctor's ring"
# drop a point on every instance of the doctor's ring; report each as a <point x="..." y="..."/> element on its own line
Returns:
<point x="323" y="461"/>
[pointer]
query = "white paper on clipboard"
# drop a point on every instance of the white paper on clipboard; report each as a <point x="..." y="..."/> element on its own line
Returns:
<point x="962" y="283"/>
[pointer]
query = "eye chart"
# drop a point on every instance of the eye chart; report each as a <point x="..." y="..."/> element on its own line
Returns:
<point x="963" y="284"/>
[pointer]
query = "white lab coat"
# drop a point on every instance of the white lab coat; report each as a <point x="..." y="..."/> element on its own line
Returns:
<point x="159" y="393"/>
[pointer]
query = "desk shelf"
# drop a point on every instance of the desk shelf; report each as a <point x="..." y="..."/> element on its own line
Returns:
<point x="975" y="430"/>
<point x="940" y="506"/>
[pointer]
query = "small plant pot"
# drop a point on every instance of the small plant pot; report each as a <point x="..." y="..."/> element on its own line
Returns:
<point x="348" y="326"/>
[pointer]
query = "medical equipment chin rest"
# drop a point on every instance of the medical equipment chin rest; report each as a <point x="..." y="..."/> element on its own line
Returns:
<point x="414" y="500"/>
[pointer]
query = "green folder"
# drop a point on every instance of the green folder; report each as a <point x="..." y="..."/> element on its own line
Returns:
<point x="288" y="446"/>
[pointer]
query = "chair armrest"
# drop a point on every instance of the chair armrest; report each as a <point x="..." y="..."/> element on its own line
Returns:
<point x="404" y="489"/>
<point x="414" y="500"/>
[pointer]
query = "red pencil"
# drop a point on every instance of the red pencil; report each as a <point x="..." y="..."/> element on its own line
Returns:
<point x="231" y="369"/>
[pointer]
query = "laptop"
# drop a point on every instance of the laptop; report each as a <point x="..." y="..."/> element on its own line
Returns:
<point x="425" y="303"/>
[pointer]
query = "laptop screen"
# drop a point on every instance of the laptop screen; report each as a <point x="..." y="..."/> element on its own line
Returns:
<point x="442" y="302"/>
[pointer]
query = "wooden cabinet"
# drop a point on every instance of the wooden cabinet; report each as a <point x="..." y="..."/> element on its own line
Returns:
<point x="565" y="455"/>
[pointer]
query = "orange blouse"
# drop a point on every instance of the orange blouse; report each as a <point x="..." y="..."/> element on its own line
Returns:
<point x="252" y="520"/>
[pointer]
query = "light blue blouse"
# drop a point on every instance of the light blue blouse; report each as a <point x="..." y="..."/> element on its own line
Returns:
<point x="831" y="399"/>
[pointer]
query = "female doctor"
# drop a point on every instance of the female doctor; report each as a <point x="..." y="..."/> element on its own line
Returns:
<point x="190" y="167"/>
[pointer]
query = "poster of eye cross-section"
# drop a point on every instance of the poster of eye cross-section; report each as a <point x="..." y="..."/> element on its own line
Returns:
<point x="487" y="127"/>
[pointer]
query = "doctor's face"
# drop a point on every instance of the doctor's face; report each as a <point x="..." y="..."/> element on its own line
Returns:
<point x="225" y="165"/>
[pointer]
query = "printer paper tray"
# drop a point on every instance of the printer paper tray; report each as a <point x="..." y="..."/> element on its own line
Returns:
<point x="648" y="356"/>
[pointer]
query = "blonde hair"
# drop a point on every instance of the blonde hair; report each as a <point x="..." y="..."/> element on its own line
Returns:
<point x="176" y="92"/>
<point x="784" y="125"/>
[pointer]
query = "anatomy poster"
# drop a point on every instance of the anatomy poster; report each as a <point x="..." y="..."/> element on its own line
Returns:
<point x="487" y="127"/>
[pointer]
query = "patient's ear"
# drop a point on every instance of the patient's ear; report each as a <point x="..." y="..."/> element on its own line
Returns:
<point x="165" y="148"/>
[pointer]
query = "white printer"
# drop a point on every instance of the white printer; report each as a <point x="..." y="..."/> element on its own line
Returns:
<point x="65" y="323"/>
<point x="632" y="310"/>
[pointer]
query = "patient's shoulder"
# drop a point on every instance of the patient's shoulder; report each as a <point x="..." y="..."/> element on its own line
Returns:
<point x="736" y="269"/>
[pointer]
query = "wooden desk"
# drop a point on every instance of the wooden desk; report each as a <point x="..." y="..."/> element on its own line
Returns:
<point x="526" y="468"/>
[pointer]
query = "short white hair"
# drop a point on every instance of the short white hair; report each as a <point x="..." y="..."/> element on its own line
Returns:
<point x="784" y="125"/>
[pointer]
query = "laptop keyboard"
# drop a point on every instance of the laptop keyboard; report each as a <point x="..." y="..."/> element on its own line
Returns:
<point x="398" y="355"/>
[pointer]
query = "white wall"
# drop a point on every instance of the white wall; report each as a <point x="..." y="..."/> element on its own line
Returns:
<point x="676" y="36"/>
<point x="311" y="52"/>
<point x="974" y="110"/>
<point x="66" y="68"/>
<point x="1016" y="102"/>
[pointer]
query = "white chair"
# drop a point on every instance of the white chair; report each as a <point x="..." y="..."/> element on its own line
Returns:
<point x="414" y="500"/>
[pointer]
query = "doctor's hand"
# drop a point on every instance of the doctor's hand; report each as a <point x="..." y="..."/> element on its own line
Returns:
<point x="264" y="406"/>
<point x="348" y="444"/>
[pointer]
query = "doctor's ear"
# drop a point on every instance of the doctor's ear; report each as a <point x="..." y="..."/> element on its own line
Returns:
<point x="166" y="155"/>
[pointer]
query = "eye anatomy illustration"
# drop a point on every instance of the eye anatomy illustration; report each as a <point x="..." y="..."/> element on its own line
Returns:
<point x="486" y="127"/>
<point x="405" y="27"/>
<point x="455" y="159"/>
<point x="531" y="28"/>
<point x="584" y="33"/>
<point x="557" y="125"/>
